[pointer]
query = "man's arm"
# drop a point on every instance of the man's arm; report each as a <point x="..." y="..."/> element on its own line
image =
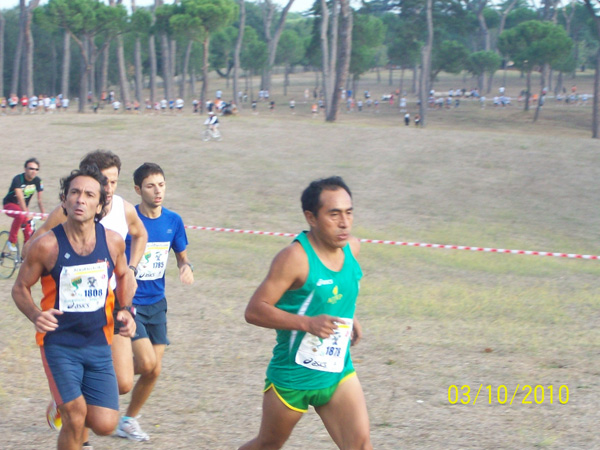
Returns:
<point x="43" y="256"/>
<point x="289" y="270"/>
<point x="56" y="217"/>
<point x="21" y="199"/>
<point x="39" y="200"/>
<point x="138" y="233"/>
<point x="357" y="332"/>
<point x="125" y="281"/>
<point x="186" y="272"/>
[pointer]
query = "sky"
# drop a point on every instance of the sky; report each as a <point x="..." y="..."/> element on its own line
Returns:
<point x="298" y="6"/>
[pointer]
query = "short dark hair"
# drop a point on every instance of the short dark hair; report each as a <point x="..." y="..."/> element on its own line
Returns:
<point x="32" y="160"/>
<point x="91" y="171"/>
<point x="311" y="197"/>
<point x="144" y="171"/>
<point x="102" y="159"/>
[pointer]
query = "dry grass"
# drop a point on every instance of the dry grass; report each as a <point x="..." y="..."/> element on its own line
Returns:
<point x="485" y="178"/>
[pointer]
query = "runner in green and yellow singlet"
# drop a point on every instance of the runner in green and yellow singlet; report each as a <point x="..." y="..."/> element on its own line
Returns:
<point x="309" y="297"/>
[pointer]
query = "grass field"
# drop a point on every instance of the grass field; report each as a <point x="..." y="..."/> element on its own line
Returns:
<point x="432" y="318"/>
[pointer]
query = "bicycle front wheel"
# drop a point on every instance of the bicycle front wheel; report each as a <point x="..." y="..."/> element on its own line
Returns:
<point x="8" y="258"/>
<point x="206" y="135"/>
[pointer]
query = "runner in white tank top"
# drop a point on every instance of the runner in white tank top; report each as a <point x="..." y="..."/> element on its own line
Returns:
<point x="116" y="219"/>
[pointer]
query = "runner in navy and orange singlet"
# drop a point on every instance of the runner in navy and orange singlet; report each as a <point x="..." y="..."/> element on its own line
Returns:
<point x="74" y="326"/>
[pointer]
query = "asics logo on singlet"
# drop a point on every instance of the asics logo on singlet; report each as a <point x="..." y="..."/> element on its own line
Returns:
<point x="322" y="282"/>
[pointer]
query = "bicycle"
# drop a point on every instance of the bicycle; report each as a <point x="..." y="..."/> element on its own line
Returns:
<point x="209" y="134"/>
<point x="10" y="260"/>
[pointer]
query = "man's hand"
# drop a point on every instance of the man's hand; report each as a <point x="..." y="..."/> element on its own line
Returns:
<point x="127" y="323"/>
<point x="357" y="332"/>
<point x="46" y="321"/>
<point x="323" y="326"/>
<point x="186" y="275"/>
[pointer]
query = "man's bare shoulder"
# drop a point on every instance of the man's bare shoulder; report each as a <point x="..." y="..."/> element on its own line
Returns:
<point x="292" y="260"/>
<point x="354" y="245"/>
<point x="44" y="248"/>
<point x="114" y="239"/>
<point x="129" y="208"/>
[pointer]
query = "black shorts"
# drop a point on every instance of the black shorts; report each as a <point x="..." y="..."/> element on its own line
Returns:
<point x="151" y="322"/>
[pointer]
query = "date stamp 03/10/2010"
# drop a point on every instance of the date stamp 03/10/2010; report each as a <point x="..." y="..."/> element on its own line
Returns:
<point x="502" y="395"/>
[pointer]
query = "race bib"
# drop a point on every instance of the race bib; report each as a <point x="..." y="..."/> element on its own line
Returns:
<point x="83" y="288"/>
<point x="326" y="355"/>
<point x="154" y="262"/>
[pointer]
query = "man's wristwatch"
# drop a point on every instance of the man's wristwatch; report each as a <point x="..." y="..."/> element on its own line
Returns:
<point x="131" y="310"/>
<point x="132" y="267"/>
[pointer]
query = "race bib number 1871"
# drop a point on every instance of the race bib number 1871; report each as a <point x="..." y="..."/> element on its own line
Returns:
<point x="326" y="355"/>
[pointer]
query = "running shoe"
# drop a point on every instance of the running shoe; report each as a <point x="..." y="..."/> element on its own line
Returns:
<point x="130" y="428"/>
<point x="87" y="446"/>
<point x="12" y="247"/>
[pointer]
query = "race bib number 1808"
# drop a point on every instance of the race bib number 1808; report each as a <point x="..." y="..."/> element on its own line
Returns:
<point x="83" y="288"/>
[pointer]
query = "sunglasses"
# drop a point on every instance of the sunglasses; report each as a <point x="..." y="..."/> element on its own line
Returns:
<point x="33" y="168"/>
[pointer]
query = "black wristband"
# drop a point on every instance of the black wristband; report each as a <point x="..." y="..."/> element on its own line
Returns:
<point x="134" y="270"/>
<point x="131" y="310"/>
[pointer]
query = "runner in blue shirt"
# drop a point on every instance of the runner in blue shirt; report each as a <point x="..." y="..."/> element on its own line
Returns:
<point x="165" y="232"/>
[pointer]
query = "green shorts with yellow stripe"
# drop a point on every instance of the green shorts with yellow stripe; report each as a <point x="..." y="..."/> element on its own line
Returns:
<point x="299" y="400"/>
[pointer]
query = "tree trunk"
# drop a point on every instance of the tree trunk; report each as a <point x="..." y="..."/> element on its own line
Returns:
<point x="596" y="95"/>
<point x="54" y="74"/>
<point x="173" y="61"/>
<point x="540" y="101"/>
<point x="272" y="39"/>
<point x="528" y="91"/>
<point x="66" y="65"/>
<point x="343" y="66"/>
<point x="286" y="78"/>
<point x="596" y="98"/>
<point x="139" y="77"/>
<point x="485" y="32"/>
<point x="14" y="87"/>
<point x="426" y="65"/>
<point x="2" y="21"/>
<point x="193" y="81"/>
<point x="28" y="86"/>
<point x="91" y="72"/>
<point x="166" y="66"/>
<point x="103" y="85"/>
<point x="326" y="47"/>
<point x="123" y="83"/>
<point x="490" y="81"/>
<point x="153" y="68"/>
<point x="238" y="49"/>
<point x="401" y="88"/>
<point x="83" y="84"/>
<point x="203" y="92"/>
<point x="559" y="84"/>
<point x="415" y="70"/>
<point x="184" y="70"/>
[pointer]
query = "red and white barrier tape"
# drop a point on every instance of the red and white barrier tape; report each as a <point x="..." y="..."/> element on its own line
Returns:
<point x="375" y="241"/>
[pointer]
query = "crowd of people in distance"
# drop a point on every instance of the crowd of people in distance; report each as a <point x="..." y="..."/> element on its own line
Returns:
<point x="13" y="104"/>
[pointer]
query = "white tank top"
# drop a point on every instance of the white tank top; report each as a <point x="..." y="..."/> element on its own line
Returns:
<point x="115" y="220"/>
